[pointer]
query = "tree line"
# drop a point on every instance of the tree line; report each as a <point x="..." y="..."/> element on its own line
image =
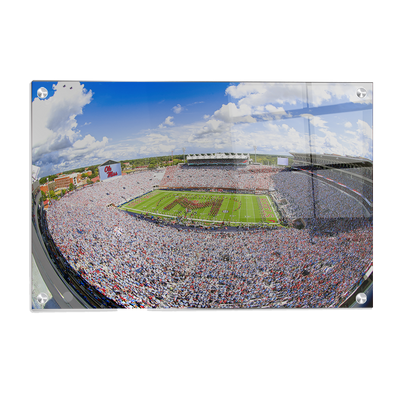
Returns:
<point x="155" y="162"/>
<point x="93" y="168"/>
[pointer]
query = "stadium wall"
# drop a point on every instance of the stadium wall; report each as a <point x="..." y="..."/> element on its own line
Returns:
<point x="133" y="198"/>
<point x="204" y="161"/>
<point x="360" y="287"/>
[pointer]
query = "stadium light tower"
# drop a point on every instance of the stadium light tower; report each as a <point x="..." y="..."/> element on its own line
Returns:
<point x="183" y="149"/>
<point x="255" y="149"/>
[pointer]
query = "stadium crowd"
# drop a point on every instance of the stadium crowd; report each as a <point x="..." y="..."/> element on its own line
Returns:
<point x="140" y="264"/>
<point x="326" y="202"/>
<point x="251" y="177"/>
<point x="356" y="183"/>
<point x="254" y="177"/>
<point x="120" y="189"/>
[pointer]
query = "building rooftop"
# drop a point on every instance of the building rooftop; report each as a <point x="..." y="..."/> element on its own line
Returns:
<point x="218" y="156"/>
<point x="108" y="162"/>
<point x="346" y="158"/>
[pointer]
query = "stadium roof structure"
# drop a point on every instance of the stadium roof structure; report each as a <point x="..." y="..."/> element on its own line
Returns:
<point x="335" y="157"/>
<point x="108" y="162"/>
<point x="218" y="156"/>
<point x="35" y="173"/>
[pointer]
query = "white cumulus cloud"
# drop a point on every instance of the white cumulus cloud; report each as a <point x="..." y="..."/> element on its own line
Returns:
<point x="177" y="109"/>
<point x="231" y="113"/>
<point x="168" y="122"/>
<point x="56" y="141"/>
<point x="260" y="94"/>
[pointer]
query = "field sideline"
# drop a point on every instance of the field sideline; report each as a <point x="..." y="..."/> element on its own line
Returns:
<point x="212" y="207"/>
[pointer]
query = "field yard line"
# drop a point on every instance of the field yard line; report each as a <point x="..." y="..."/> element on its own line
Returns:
<point x="231" y="207"/>
<point x="252" y="206"/>
<point x="243" y="206"/>
<point x="225" y="215"/>
<point x="251" y="203"/>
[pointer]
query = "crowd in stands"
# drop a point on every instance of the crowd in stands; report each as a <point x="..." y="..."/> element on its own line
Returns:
<point x="253" y="177"/>
<point x="120" y="189"/>
<point x="137" y="263"/>
<point x="355" y="183"/>
<point x="366" y="172"/>
<point x="324" y="201"/>
<point x="358" y="179"/>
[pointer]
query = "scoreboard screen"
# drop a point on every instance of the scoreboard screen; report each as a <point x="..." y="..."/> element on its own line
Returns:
<point x="109" y="171"/>
<point x="283" y="161"/>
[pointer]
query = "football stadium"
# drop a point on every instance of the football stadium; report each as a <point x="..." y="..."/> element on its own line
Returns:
<point x="214" y="232"/>
<point x="203" y="207"/>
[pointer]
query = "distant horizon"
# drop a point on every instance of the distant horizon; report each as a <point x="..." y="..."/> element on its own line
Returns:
<point x="149" y="157"/>
<point x="169" y="155"/>
<point x="81" y="124"/>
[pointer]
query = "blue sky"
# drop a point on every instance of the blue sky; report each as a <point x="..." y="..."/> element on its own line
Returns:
<point x="86" y="123"/>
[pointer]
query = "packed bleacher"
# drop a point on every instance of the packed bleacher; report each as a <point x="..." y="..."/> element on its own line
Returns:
<point x="120" y="189"/>
<point x="137" y="263"/>
<point x="362" y="187"/>
<point x="228" y="177"/>
<point x="310" y="197"/>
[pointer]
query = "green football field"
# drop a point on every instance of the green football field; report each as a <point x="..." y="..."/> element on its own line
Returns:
<point x="206" y="207"/>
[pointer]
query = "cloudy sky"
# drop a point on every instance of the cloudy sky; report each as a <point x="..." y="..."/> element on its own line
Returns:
<point x="85" y="123"/>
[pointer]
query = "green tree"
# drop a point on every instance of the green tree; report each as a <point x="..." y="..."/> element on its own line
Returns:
<point x="43" y="180"/>
<point x="44" y="196"/>
<point x="94" y="170"/>
<point x="71" y="187"/>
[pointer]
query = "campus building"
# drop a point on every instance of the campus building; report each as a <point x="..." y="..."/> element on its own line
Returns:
<point x="63" y="181"/>
<point x="48" y="186"/>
